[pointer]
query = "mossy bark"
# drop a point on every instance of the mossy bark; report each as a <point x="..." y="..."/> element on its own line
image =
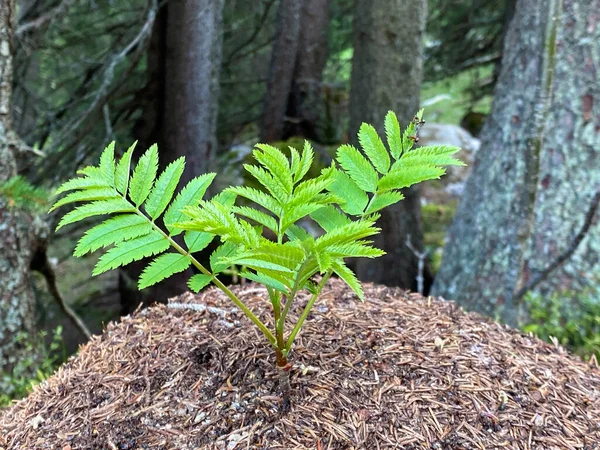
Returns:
<point x="387" y="70"/>
<point x="538" y="167"/>
<point x="19" y="231"/>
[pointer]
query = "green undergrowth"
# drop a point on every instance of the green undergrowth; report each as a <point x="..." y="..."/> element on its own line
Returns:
<point x="46" y="354"/>
<point x="570" y="318"/>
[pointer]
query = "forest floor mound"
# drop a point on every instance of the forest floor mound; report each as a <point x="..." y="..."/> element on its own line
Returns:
<point x="398" y="371"/>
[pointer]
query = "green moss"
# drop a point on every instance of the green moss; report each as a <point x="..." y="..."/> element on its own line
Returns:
<point x="436" y="221"/>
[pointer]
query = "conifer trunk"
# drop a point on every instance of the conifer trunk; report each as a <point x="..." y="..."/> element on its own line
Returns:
<point x="183" y="66"/>
<point x="18" y="229"/>
<point x="386" y="75"/>
<point x="538" y="167"/>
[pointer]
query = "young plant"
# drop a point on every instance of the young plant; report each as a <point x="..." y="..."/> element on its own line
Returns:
<point x="262" y="233"/>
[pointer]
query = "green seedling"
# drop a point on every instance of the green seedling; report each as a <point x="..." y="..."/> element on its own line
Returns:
<point x="257" y="229"/>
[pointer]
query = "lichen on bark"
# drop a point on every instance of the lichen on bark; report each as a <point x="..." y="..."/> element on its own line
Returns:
<point x="538" y="168"/>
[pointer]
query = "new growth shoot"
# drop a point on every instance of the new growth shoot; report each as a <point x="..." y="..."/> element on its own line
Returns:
<point x="259" y="230"/>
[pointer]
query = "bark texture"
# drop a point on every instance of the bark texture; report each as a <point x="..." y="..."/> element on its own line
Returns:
<point x="180" y="111"/>
<point x="193" y="61"/>
<point x="386" y="75"/>
<point x="538" y="167"/>
<point x="281" y="69"/>
<point x="305" y="105"/>
<point x="19" y="231"/>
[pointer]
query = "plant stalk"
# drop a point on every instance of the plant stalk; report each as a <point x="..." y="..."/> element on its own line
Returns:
<point x="306" y="311"/>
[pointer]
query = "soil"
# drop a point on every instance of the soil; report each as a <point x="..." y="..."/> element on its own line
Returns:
<point x="398" y="371"/>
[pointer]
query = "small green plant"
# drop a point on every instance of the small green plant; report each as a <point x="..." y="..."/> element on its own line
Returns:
<point x="572" y="318"/>
<point x="23" y="194"/>
<point x="344" y="199"/>
<point x="32" y="370"/>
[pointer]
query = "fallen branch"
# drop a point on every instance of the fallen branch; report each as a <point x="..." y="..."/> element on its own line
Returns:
<point x="541" y="276"/>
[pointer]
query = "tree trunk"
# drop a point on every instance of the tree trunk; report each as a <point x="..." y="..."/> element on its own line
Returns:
<point x="281" y="69"/>
<point x="538" y="167"/>
<point x="305" y="105"/>
<point x="386" y="75"/>
<point x="184" y="61"/>
<point x="18" y="230"/>
<point x="193" y="62"/>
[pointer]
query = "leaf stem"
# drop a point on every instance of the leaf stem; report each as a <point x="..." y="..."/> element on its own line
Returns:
<point x="261" y="326"/>
<point x="306" y="311"/>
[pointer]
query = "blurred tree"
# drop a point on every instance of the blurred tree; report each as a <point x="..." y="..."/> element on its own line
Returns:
<point x="386" y="75"/>
<point x="180" y="113"/>
<point x="294" y="102"/>
<point x="466" y="34"/>
<point x="20" y="232"/>
<point x="538" y="168"/>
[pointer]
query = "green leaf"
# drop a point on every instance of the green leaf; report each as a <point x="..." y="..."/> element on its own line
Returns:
<point x="123" y="169"/>
<point x="197" y="240"/>
<point x="354" y="250"/>
<point x="199" y="282"/>
<point x="306" y="161"/>
<point x="258" y="264"/>
<point x="324" y="261"/>
<point x="163" y="189"/>
<point x="382" y="200"/>
<point x="163" y="267"/>
<point x="406" y="177"/>
<point x="358" y="168"/>
<point x="355" y="199"/>
<point x="112" y="231"/>
<point x="298" y="212"/>
<point x="392" y="131"/>
<point x="373" y="147"/>
<point x="190" y="195"/>
<point x="226" y="250"/>
<point x="82" y="183"/>
<point x="329" y="218"/>
<point x="93" y="172"/>
<point x="144" y="175"/>
<point x="349" y="278"/>
<point x="96" y="208"/>
<point x="107" y="163"/>
<point x="353" y="231"/>
<point x="294" y="163"/>
<point x="215" y="218"/>
<point x="261" y="198"/>
<point x="258" y="216"/>
<point x="87" y="195"/>
<point x="265" y="279"/>
<point x="132" y="250"/>
<point x="409" y="137"/>
<point x="296" y="233"/>
<point x="276" y="163"/>
<point x="310" y="190"/>
<point x="268" y="181"/>
<point x="225" y="198"/>
<point x="439" y="155"/>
